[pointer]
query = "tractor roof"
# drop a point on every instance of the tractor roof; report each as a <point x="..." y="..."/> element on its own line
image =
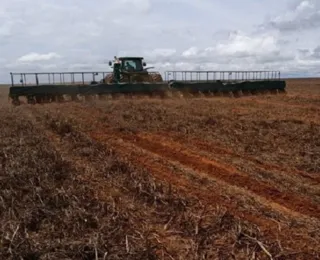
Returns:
<point x="130" y="58"/>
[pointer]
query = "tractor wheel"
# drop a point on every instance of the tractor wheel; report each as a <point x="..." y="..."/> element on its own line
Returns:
<point x="38" y="99"/>
<point x="16" y="101"/>
<point x="31" y="100"/>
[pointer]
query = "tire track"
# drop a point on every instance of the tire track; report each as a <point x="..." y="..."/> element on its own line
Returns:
<point x="205" y="193"/>
<point x="286" y="201"/>
<point x="218" y="149"/>
<point x="296" y="183"/>
<point x="159" y="168"/>
<point x="228" y="174"/>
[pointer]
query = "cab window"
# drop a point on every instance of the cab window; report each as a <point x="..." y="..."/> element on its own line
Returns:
<point x="132" y="65"/>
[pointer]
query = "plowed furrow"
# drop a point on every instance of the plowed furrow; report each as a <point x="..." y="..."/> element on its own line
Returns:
<point x="129" y="148"/>
<point x="106" y="188"/>
<point x="279" y="199"/>
<point x="190" y="187"/>
<point x="218" y="149"/>
<point x="228" y="174"/>
<point x="290" y="180"/>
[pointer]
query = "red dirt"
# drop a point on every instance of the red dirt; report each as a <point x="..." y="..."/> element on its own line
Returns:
<point x="157" y="164"/>
<point x="217" y="148"/>
<point x="103" y="134"/>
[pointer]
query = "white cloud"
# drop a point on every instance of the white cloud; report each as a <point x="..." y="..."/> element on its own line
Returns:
<point x="240" y="44"/>
<point x="304" y="5"/>
<point x="191" y="52"/>
<point x="33" y="57"/>
<point x="304" y="16"/>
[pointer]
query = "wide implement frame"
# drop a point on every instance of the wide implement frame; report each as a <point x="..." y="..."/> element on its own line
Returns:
<point x="225" y="76"/>
<point x="52" y="78"/>
<point x="57" y="86"/>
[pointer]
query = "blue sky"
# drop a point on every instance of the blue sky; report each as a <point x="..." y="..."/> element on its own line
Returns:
<point x="55" y="35"/>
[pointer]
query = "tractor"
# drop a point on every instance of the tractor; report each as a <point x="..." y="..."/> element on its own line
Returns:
<point x="130" y="70"/>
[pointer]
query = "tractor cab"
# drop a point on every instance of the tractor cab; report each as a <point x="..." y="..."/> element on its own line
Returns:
<point x="128" y="69"/>
<point x="129" y="64"/>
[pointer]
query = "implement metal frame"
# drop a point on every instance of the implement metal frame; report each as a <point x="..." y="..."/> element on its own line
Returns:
<point x="224" y="76"/>
<point x="53" y="78"/>
<point x="56" y="77"/>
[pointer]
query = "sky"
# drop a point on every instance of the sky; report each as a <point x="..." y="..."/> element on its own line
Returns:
<point x="69" y="35"/>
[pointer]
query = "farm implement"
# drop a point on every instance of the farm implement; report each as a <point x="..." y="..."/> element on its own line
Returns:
<point x="129" y="77"/>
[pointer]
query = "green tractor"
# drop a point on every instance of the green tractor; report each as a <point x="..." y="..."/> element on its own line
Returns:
<point x="131" y="70"/>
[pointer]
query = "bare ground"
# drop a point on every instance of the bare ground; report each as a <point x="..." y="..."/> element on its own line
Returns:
<point x="199" y="178"/>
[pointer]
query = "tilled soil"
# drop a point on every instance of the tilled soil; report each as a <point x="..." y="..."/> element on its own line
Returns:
<point x="189" y="178"/>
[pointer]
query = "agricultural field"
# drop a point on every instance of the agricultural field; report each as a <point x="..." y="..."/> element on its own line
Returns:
<point x="176" y="178"/>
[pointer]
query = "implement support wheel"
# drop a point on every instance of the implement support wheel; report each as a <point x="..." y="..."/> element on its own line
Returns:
<point x="16" y="101"/>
